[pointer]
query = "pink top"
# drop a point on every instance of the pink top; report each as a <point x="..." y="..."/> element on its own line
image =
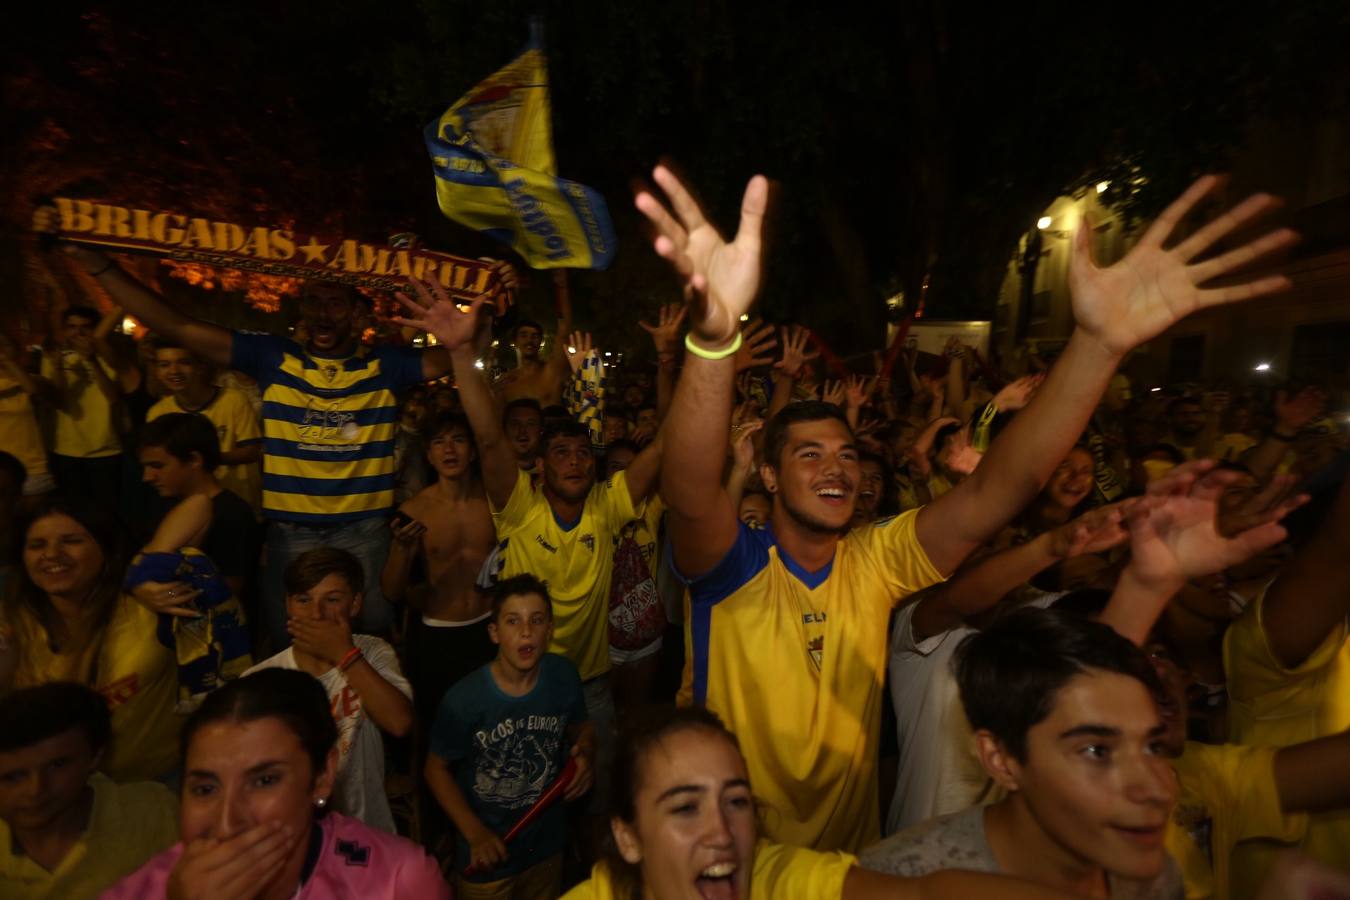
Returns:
<point x="355" y="861"/>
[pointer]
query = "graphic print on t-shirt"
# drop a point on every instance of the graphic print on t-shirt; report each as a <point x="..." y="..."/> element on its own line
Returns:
<point x="518" y="760"/>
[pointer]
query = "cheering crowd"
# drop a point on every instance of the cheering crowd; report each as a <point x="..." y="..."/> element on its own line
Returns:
<point x="718" y="626"/>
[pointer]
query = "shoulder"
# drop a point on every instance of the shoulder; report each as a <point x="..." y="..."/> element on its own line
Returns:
<point x="150" y="880"/>
<point x="559" y="667"/>
<point x="280" y="660"/>
<point x="163" y="406"/>
<point x="782" y="871"/>
<point x="597" y="887"/>
<point x="955" y="841"/>
<point x="354" y="851"/>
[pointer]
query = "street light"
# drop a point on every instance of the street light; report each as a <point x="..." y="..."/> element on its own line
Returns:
<point x="1102" y="186"/>
<point x="478" y="364"/>
<point x="1044" y="222"/>
<point x="1263" y="367"/>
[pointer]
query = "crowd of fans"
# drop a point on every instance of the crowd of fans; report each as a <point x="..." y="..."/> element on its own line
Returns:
<point x="302" y="616"/>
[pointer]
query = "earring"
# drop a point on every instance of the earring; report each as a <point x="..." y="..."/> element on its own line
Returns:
<point x="321" y="802"/>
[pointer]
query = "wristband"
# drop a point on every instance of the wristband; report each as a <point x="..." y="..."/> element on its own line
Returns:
<point x="712" y="354"/>
<point x="349" y="659"/>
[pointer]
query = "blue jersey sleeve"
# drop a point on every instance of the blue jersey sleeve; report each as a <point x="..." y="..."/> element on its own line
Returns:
<point x="256" y="355"/>
<point x="743" y="561"/>
<point x="403" y="366"/>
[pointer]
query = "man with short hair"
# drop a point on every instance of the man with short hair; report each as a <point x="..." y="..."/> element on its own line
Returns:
<point x="534" y="377"/>
<point x="86" y="449"/>
<point x="523" y="422"/>
<point x="187" y="378"/>
<point x="67" y="832"/>
<point x="329" y="422"/>
<point x="1187" y="421"/>
<point x="1066" y="722"/>
<point x="787" y="623"/>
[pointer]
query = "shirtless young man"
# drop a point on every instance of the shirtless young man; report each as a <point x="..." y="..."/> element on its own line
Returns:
<point x="535" y="377"/>
<point x="449" y="526"/>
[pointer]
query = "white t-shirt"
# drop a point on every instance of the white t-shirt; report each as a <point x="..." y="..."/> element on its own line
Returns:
<point x="360" y="781"/>
<point x="939" y="770"/>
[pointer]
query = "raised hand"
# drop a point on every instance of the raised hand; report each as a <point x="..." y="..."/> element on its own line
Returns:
<point x="756" y="346"/>
<point x="666" y="332"/>
<point x="1093" y="532"/>
<point x="1175" y="533"/>
<point x="1292" y="414"/>
<point x="723" y="277"/>
<point x="1017" y="394"/>
<point x="435" y="313"/>
<point x="1270" y="504"/>
<point x="743" y="445"/>
<point x="858" y="390"/>
<point x="1153" y="286"/>
<point x="833" y="392"/>
<point x="580" y="345"/>
<point x="796" y="341"/>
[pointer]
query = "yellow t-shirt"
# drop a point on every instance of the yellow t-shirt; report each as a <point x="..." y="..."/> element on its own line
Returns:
<point x="575" y="561"/>
<point x="1228" y="794"/>
<point x="129" y="824"/>
<point x="19" y="432"/>
<point x="780" y="872"/>
<point x="133" y="671"/>
<point x="1231" y="446"/>
<point x="236" y="426"/>
<point x="1270" y="705"/>
<point x="794" y="662"/>
<point x="84" y="427"/>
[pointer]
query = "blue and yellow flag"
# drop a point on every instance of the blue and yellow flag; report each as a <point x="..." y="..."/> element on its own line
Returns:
<point x="492" y="153"/>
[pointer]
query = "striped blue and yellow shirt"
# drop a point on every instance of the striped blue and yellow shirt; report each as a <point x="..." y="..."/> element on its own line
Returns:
<point x="328" y="426"/>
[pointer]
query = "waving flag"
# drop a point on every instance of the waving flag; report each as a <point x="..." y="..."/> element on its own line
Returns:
<point x="492" y="153"/>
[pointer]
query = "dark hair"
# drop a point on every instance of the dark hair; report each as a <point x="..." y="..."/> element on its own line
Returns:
<point x="567" y="428"/>
<point x="159" y="342"/>
<point x="1010" y="674"/>
<point x="442" y="422"/>
<point x="313" y="566"/>
<point x="296" y="698"/>
<point x="523" y="403"/>
<point x="776" y="432"/>
<point x="516" y="586"/>
<point x="1183" y="400"/>
<point x="526" y="323"/>
<point x="26" y="596"/>
<point x="11" y="464"/>
<point x="182" y="434"/>
<point x="1091" y="602"/>
<point x="34" y="714"/>
<point x="638" y="734"/>
<point x="83" y="312"/>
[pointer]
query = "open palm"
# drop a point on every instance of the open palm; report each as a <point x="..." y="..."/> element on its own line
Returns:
<point x="1154" y="286"/>
<point x="434" y="312"/>
<point x="723" y="277"/>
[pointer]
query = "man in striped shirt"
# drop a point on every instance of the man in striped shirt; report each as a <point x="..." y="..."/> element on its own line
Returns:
<point x="329" y="421"/>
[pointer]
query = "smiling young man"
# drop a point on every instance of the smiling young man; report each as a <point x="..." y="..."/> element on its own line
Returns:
<point x="67" y="832"/>
<point x="1066" y="721"/>
<point x="185" y="376"/>
<point x="329" y="422"/>
<point x="788" y="624"/>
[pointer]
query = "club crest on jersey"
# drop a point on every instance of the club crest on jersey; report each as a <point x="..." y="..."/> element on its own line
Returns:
<point x="330" y="372"/>
<point x="589" y="541"/>
<point x="816" y="647"/>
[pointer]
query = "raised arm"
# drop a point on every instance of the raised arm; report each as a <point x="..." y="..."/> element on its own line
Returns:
<point x="458" y="331"/>
<point x="1115" y="310"/>
<point x="1311" y="596"/>
<point x="666" y="339"/>
<point x="1291" y="415"/>
<point x="1313" y="776"/>
<point x="1176" y="535"/>
<point x="982" y="584"/>
<point x="211" y="342"/>
<point x="723" y="279"/>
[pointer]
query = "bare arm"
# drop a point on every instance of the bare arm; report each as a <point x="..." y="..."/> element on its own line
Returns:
<point x="486" y="848"/>
<point x="981" y="585"/>
<point x="724" y="279"/>
<point x="111" y="392"/>
<point x="386" y="705"/>
<point x="128" y="373"/>
<point x="1115" y="309"/>
<point x="183" y="526"/>
<point x="1311" y="596"/>
<point x="1313" y="776"/>
<point x="666" y="339"/>
<point x="457" y="331"/>
<point x="403" y="550"/>
<point x="644" y="472"/>
<point x="864" y="884"/>
<point x="211" y="342"/>
<point x="242" y="456"/>
<point x="1291" y="415"/>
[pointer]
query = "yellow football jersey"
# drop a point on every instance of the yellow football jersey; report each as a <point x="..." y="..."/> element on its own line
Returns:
<point x="794" y="662"/>
<point x="576" y="560"/>
<point x="1270" y="705"/>
<point x="1227" y="795"/>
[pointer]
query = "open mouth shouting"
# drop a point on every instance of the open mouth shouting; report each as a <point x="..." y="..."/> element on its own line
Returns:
<point x="718" y="881"/>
